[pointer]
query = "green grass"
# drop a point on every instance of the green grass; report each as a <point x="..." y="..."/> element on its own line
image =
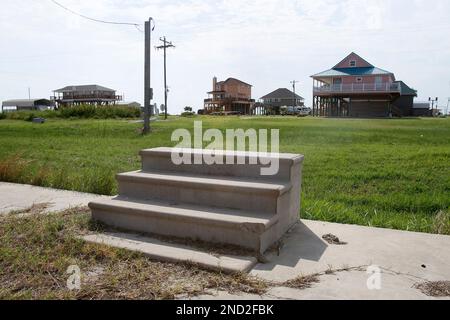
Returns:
<point x="385" y="173"/>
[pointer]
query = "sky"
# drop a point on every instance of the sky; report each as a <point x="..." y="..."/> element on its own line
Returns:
<point x="267" y="43"/>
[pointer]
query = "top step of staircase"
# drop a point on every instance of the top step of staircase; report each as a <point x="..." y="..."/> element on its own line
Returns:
<point x="160" y="159"/>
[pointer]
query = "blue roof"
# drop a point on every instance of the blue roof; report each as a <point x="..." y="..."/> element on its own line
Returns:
<point x="352" y="72"/>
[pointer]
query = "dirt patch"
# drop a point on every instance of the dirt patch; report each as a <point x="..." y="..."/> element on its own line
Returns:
<point x="36" y="208"/>
<point x="332" y="239"/>
<point x="41" y="248"/>
<point x="435" y="288"/>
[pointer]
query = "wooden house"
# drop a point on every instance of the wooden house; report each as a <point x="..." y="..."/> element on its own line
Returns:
<point x="85" y="94"/>
<point x="231" y="96"/>
<point x="356" y="88"/>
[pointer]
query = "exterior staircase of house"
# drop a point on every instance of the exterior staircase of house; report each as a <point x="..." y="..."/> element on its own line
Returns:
<point x="218" y="203"/>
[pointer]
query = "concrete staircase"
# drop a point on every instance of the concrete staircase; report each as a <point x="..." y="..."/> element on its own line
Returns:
<point x="222" y="204"/>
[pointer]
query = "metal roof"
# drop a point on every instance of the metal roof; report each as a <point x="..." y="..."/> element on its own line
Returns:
<point x="90" y="87"/>
<point x="421" y="105"/>
<point x="25" y="102"/>
<point x="281" y="94"/>
<point x="405" y="90"/>
<point x="352" y="72"/>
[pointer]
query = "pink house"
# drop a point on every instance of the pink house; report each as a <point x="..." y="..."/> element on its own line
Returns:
<point x="356" y="88"/>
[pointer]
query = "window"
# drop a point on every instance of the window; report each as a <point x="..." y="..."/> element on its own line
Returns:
<point x="359" y="79"/>
<point x="352" y="63"/>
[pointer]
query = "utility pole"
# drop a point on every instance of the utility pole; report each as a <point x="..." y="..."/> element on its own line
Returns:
<point x="432" y="105"/>
<point x="148" y="91"/>
<point x="29" y="93"/>
<point x="448" y="104"/>
<point x="295" y="95"/>
<point x="166" y="44"/>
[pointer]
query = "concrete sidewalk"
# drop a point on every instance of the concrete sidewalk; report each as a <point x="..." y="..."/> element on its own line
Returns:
<point x="15" y="197"/>
<point x="405" y="259"/>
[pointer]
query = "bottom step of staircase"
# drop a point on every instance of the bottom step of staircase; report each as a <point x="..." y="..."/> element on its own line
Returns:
<point x="250" y="230"/>
<point x="170" y="252"/>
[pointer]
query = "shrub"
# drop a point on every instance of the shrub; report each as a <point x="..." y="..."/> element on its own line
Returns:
<point x="188" y="114"/>
<point x="76" y="112"/>
<point x="100" y="112"/>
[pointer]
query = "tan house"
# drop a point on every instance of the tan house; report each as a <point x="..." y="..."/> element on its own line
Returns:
<point x="231" y="96"/>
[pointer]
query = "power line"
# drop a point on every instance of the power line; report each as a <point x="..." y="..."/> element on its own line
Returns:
<point x="136" y="25"/>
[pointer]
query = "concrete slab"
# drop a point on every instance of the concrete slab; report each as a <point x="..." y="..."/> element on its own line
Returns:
<point x="349" y="285"/>
<point x="404" y="259"/>
<point x="20" y="197"/>
<point x="170" y="252"/>
<point x="419" y="255"/>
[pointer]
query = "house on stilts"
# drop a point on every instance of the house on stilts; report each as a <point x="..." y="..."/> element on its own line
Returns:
<point x="356" y="88"/>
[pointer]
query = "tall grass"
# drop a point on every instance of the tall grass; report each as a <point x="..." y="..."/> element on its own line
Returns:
<point x="13" y="169"/>
<point x="20" y="170"/>
<point x="76" y="112"/>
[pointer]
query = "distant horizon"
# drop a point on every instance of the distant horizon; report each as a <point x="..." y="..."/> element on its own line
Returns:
<point x="264" y="43"/>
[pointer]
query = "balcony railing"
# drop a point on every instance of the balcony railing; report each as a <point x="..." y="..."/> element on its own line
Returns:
<point x="359" y="88"/>
<point x="86" y="97"/>
<point x="229" y="100"/>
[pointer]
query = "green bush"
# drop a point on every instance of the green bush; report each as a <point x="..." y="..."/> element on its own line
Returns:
<point x="76" y="112"/>
<point x="188" y="114"/>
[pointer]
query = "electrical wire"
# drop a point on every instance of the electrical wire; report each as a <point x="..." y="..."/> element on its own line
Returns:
<point x="136" y="25"/>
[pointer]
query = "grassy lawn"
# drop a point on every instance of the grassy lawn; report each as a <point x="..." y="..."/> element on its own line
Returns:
<point x="386" y="173"/>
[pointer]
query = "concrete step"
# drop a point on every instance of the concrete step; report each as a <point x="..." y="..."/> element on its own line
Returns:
<point x="160" y="159"/>
<point x="171" y="252"/>
<point x="217" y="225"/>
<point x="226" y="192"/>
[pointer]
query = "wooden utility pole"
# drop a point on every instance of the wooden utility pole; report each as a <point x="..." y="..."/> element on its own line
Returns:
<point x="166" y="44"/>
<point x="448" y="103"/>
<point x="432" y="104"/>
<point x="148" y="91"/>
<point x="295" y="95"/>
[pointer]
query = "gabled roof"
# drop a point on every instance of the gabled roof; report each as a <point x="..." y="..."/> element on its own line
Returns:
<point x="281" y="94"/>
<point x="352" y="71"/>
<point x="353" y="55"/>
<point x="90" y="87"/>
<point x="405" y="90"/>
<point x="230" y="79"/>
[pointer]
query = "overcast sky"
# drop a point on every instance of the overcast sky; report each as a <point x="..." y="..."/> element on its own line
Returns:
<point x="267" y="43"/>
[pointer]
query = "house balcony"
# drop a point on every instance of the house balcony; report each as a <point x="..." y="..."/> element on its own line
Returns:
<point x="230" y="100"/>
<point x="80" y="97"/>
<point x="358" y="88"/>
